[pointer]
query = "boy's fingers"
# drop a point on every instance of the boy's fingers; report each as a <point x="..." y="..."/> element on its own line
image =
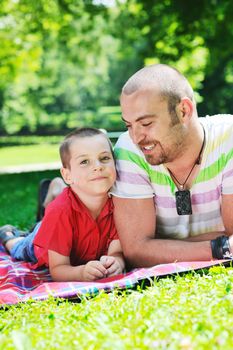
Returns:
<point x="107" y="261"/>
<point x="114" y="269"/>
<point x="97" y="270"/>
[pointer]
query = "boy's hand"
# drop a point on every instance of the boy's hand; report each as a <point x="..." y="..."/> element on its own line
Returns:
<point x="112" y="265"/>
<point x="93" y="270"/>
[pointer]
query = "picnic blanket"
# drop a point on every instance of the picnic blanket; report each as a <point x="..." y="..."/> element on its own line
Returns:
<point x="19" y="283"/>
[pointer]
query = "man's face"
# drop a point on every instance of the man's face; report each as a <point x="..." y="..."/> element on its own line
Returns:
<point x="151" y="128"/>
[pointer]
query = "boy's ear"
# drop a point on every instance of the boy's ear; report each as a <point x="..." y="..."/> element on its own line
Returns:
<point x="66" y="175"/>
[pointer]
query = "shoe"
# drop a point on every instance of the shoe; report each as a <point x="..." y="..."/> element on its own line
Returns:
<point x="42" y="192"/>
<point x="4" y="238"/>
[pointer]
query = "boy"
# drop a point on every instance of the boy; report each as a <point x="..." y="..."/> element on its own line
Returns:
<point x="77" y="238"/>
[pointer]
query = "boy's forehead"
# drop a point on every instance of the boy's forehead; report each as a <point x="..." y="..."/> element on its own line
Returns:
<point x="88" y="143"/>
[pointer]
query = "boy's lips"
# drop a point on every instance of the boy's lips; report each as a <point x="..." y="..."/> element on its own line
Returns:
<point x="99" y="178"/>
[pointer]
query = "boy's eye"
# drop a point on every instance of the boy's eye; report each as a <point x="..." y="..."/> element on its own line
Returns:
<point x="84" y="162"/>
<point x="105" y="159"/>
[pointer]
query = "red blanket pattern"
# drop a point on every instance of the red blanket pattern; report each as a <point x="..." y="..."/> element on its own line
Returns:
<point x="19" y="283"/>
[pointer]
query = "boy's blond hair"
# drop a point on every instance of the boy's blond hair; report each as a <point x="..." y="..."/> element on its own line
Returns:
<point x="64" y="149"/>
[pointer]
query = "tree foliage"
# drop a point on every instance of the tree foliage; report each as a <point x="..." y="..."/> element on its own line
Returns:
<point x="62" y="61"/>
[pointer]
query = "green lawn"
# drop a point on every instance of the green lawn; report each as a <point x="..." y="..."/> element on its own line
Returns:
<point x="188" y="312"/>
<point x="29" y="154"/>
<point x="19" y="197"/>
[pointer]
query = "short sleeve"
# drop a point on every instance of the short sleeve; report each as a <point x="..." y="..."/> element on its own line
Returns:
<point x="56" y="232"/>
<point x="113" y="233"/>
<point x="227" y="179"/>
<point x="133" y="171"/>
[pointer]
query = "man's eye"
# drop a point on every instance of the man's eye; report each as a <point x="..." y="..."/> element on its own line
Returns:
<point x="146" y="124"/>
<point x="127" y="126"/>
<point x="84" y="162"/>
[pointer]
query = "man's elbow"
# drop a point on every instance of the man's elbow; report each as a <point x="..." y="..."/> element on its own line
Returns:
<point x="134" y="256"/>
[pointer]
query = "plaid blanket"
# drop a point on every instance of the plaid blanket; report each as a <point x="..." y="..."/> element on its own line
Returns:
<point x="19" y="283"/>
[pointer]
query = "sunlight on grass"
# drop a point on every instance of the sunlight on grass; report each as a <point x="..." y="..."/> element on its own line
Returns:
<point x="31" y="154"/>
<point x="188" y="312"/>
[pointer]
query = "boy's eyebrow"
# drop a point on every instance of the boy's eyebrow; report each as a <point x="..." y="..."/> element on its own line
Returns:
<point x="141" y="118"/>
<point x="86" y="155"/>
<point x="82" y="155"/>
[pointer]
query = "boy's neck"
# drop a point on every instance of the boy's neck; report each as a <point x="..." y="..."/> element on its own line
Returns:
<point x="93" y="203"/>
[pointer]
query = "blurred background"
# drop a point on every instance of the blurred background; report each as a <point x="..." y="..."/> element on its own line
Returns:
<point x="63" y="63"/>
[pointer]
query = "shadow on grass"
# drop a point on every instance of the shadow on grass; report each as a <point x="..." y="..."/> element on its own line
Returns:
<point x="19" y="197"/>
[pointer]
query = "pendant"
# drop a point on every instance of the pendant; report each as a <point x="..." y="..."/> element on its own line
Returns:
<point x="183" y="202"/>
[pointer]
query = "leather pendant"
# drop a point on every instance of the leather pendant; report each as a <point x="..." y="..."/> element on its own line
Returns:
<point x="183" y="202"/>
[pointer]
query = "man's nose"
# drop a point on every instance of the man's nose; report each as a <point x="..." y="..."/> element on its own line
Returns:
<point x="136" y="134"/>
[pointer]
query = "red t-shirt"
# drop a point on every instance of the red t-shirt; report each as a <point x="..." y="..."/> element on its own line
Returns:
<point x="68" y="229"/>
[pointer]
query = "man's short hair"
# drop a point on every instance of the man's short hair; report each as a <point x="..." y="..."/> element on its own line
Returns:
<point x="169" y="82"/>
<point x="78" y="133"/>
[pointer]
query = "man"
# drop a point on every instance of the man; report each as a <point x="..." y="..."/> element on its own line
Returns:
<point x="174" y="193"/>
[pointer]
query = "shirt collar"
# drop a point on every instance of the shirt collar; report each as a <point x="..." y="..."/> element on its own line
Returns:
<point x="79" y="206"/>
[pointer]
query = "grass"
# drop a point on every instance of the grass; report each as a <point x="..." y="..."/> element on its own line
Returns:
<point x="29" y="154"/>
<point x="188" y="312"/>
<point x="19" y="197"/>
<point x="29" y="140"/>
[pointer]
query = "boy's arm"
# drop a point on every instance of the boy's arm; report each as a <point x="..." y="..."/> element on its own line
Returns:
<point x="115" y="250"/>
<point x="114" y="261"/>
<point x="61" y="270"/>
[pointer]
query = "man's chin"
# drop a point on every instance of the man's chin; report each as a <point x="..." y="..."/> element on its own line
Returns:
<point x="152" y="160"/>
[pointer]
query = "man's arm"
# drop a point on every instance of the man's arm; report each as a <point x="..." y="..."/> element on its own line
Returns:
<point x="135" y="221"/>
<point x="227" y="213"/>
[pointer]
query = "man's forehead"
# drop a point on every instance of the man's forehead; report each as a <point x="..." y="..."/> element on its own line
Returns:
<point x="146" y="94"/>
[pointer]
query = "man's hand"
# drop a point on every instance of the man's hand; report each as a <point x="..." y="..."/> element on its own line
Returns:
<point x="93" y="270"/>
<point x="112" y="265"/>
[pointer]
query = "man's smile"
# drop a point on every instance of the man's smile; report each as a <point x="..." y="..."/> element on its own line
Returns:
<point x="147" y="148"/>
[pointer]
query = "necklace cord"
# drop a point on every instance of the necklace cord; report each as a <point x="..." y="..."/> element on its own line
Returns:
<point x="198" y="161"/>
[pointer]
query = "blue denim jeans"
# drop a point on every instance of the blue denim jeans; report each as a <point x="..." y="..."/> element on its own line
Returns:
<point x="24" y="249"/>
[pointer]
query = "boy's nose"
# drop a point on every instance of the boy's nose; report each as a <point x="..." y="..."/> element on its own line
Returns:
<point x="97" y="165"/>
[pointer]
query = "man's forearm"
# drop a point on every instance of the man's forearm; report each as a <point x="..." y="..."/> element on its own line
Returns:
<point x="159" y="251"/>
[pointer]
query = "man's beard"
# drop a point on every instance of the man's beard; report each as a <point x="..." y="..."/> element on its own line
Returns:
<point x="168" y="154"/>
<point x="162" y="158"/>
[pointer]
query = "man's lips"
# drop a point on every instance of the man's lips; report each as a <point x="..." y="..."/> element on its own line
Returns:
<point x="147" y="148"/>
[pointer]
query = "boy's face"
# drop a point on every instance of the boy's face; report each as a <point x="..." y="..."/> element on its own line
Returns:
<point x="92" y="168"/>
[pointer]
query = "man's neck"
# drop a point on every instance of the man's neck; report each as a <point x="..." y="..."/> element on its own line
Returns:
<point x="181" y="166"/>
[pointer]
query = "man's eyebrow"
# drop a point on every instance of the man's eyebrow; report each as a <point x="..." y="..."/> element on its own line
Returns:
<point x="146" y="116"/>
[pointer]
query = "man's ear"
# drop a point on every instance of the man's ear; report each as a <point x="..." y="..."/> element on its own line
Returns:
<point x="185" y="109"/>
<point x="66" y="175"/>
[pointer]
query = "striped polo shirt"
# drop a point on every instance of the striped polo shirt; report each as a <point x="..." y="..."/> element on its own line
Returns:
<point x="138" y="179"/>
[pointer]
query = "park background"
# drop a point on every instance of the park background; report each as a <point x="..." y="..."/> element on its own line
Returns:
<point x="62" y="65"/>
